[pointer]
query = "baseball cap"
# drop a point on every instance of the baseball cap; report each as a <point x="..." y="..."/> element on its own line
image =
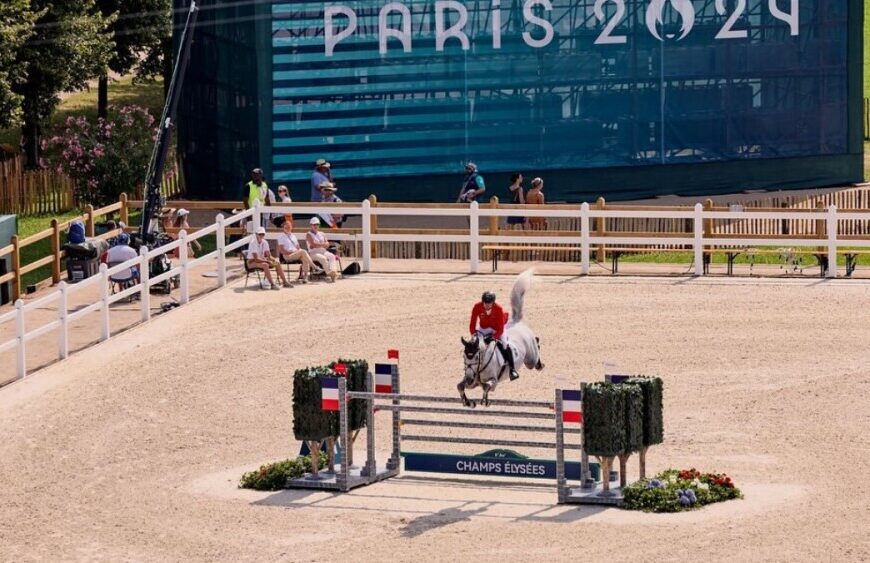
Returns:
<point x="261" y="231"/>
<point x="314" y="221"/>
<point x="181" y="212"/>
<point x="257" y="171"/>
<point x="322" y="162"/>
<point x="471" y="165"/>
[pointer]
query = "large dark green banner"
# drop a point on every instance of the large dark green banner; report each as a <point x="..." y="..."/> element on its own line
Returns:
<point x="418" y="87"/>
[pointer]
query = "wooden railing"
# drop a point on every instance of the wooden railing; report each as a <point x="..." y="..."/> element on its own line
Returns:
<point x="56" y="253"/>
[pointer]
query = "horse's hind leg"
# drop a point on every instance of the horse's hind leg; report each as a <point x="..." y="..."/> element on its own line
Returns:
<point x="539" y="365"/>
<point x="465" y="400"/>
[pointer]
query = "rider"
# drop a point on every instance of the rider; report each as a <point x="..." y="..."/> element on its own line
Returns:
<point x="492" y="320"/>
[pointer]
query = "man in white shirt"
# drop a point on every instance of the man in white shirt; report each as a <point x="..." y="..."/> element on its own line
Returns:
<point x="288" y="247"/>
<point x="122" y="252"/>
<point x="259" y="257"/>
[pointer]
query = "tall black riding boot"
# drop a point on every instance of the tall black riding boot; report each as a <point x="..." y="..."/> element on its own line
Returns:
<point x="509" y="357"/>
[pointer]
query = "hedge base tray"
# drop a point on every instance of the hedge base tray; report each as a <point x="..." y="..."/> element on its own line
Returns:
<point x="578" y="495"/>
<point x="327" y="480"/>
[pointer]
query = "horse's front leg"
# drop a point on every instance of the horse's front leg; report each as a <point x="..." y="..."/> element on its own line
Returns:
<point x="465" y="400"/>
<point x="487" y="387"/>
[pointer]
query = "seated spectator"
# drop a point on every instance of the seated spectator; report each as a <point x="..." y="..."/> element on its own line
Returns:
<point x="259" y="257"/>
<point x="317" y="248"/>
<point x="288" y="247"/>
<point x="328" y="190"/>
<point x="121" y="252"/>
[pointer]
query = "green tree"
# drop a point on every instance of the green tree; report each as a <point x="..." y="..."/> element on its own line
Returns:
<point x="70" y="46"/>
<point x="16" y="26"/>
<point x="140" y="29"/>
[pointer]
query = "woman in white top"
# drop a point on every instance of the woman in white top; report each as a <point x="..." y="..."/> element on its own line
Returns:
<point x="289" y="248"/>
<point x="317" y="245"/>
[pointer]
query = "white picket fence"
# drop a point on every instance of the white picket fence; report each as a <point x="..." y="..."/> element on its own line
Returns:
<point x="587" y="241"/>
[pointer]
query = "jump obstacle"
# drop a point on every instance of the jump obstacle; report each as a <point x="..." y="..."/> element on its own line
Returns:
<point x="499" y="462"/>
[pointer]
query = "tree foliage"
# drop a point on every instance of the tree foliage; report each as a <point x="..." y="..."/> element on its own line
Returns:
<point x="70" y="45"/>
<point x="16" y="27"/>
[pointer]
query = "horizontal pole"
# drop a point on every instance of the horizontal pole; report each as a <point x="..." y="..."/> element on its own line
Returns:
<point x="485" y="442"/>
<point x="466" y="411"/>
<point x="440" y="399"/>
<point x="44" y="329"/>
<point x="508" y="427"/>
<point x="8" y="345"/>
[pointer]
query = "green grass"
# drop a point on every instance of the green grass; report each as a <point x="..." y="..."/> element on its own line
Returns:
<point x="122" y="92"/>
<point x="720" y="258"/>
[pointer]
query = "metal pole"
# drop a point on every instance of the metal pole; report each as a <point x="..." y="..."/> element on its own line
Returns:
<point x="395" y="458"/>
<point x="342" y="477"/>
<point x="561" y="481"/>
<point x="371" y="469"/>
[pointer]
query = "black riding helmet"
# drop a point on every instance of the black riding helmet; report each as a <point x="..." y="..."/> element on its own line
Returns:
<point x="488" y="297"/>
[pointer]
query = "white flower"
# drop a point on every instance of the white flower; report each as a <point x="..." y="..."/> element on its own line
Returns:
<point x="704" y="486"/>
<point x="696" y="482"/>
<point x="672" y="479"/>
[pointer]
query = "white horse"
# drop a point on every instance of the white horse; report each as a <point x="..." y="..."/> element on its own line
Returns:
<point x="484" y="363"/>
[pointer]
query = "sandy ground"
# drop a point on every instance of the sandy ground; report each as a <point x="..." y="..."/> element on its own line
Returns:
<point x="132" y="450"/>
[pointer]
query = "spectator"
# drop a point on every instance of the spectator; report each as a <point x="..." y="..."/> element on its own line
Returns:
<point x="122" y="252"/>
<point x="258" y="193"/>
<point x="517" y="197"/>
<point x="328" y="190"/>
<point x="472" y="185"/>
<point x="317" y="248"/>
<point x="283" y="197"/>
<point x="259" y="257"/>
<point x="182" y="224"/>
<point x="288" y="247"/>
<point x="536" y="197"/>
<point x="322" y="173"/>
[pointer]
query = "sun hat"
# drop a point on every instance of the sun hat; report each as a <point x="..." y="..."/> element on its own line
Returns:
<point x="328" y="186"/>
<point x="314" y="221"/>
<point x="322" y="162"/>
<point x="261" y="231"/>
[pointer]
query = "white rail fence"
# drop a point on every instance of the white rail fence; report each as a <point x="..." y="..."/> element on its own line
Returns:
<point x="697" y="241"/>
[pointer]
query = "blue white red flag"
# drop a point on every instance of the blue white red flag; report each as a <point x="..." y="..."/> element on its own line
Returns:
<point x="384" y="377"/>
<point x="572" y="406"/>
<point x="329" y="394"/>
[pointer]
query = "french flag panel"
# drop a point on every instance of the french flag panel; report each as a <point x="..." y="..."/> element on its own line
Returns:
<point x="384" y="377"/>
<point x="572" y="406"/>
<point x="329" y="394"/>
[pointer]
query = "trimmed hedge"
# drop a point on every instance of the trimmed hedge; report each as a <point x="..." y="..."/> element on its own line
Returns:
<point x="653" y="419"/>
<point x="310" y="422"/>
<point x="612" y="419"/>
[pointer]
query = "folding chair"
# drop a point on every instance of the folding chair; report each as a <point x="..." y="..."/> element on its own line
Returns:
<point x="123" y="280"/>
<point x="248" y="271"/>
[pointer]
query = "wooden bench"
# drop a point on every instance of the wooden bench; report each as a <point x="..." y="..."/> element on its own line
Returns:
<point x="821" y="256"/>
<point x="497" y="249"/>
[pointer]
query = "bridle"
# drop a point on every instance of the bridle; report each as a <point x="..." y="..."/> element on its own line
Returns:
<point x="491" y="348"/>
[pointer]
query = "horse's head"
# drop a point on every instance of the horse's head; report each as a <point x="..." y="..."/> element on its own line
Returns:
<point x="472" y="347"/>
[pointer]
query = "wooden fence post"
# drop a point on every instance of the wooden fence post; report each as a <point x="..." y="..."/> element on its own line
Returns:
<point x="55" y="250"/>
<point x="373" y="200"/>
<point x="89" y="211"/>
<point x="16" y="268"/>
<point x="125" y="214"/>
<point x="599" y="231"/>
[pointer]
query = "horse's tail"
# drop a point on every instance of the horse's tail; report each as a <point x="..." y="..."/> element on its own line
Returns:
<point x="524" y="281"/>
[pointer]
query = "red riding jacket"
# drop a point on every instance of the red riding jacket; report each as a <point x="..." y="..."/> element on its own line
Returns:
<point x="495" y="319"/>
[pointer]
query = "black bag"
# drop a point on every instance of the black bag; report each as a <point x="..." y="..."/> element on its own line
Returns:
<point x="352" y="270"/>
